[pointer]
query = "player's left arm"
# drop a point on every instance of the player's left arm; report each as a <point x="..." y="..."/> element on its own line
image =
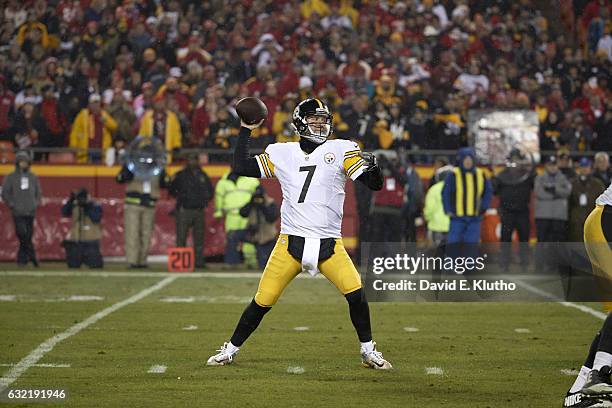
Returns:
<point x="363" y="167"/>
<point x="371" y="176"/>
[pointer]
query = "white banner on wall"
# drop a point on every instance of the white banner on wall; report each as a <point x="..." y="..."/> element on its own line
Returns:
<point x="495" y="133"/>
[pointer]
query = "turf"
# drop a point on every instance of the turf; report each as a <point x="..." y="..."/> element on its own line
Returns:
<point x="485" y="362"/>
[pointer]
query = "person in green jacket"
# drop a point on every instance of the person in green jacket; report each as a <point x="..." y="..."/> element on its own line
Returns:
<point x="233" y="192"/>
<point x="438" y="222"/>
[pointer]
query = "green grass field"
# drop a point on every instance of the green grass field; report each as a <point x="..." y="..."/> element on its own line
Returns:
<point x="481" y="360"/>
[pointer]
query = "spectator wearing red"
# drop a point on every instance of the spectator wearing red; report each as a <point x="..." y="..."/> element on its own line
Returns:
<point x="162" y="123"/>
<point x="354" y="68"/>
<point x="331" y="75"/>
<point x="70" y="13"/>
<point x="7" y="111"/>
<point x="444" y="75"/>
<point x="593" y="10"/>
<point x="143" y="101"/>
<point x="193" y="52"/>
<point x="257" y="84"/>
<point x="272" y="100"/>
<point x="200" y="122"/>
<point x="54" y="119"/>
<point x="172" y="90"/>
<point x="588" y="102"/>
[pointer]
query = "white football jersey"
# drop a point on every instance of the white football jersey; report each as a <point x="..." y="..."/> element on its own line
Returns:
<point x="606" y="197"/>
<point x="312" y="184"/>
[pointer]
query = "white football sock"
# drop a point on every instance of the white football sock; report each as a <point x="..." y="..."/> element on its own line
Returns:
<point x="231" y="348"/>
<point x="580" y="380"/>
<point x="367" y="347"/>
<point x="602" y="359"/>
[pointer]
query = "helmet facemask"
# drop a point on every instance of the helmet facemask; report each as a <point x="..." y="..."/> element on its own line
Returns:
<point x="313" y="121"/>
<point x="318" y="128"/>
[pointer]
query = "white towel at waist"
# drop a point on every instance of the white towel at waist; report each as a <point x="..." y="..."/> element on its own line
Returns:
<point x="310" y="256"/>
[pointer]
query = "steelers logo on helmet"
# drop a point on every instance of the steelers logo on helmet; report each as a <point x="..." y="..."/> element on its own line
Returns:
<point x="312" y="120"/>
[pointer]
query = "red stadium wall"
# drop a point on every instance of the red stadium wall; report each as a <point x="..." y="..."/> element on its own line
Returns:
<point x="58" y="181"/>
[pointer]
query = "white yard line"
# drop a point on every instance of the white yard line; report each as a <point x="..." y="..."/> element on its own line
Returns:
<point x="34" y="299"/>
<point x="295" y="370"/>
<point x="582" y="308"/>
<point x="35" y="355"/>
<point x="434" y="371"/>
<point x="41" y="365"/>
<point x="522" y="330"/>
<point x="411" y="329"/>
<point x="157" y="369"/>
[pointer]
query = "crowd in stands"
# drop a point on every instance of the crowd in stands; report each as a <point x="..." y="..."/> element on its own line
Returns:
<point x="96" y="73"/>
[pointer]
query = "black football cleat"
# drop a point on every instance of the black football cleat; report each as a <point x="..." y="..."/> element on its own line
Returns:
<point x="598" y="384"/>
<point x="579" y="400"/>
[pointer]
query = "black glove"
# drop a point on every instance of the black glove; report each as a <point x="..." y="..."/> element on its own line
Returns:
<point x="370" y="160"/>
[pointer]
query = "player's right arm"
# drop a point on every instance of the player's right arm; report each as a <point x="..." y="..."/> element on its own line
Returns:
<point x="258" y="166"/>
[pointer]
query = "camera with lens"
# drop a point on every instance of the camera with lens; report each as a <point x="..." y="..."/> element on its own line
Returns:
<point x="79" y="197"/>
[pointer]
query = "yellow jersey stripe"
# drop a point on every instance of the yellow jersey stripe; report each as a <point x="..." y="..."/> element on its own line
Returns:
<point x="352" y="152"/>
<point x="355" y="167"/>
<point x="349" y="162"/>
<point x="262" y="168"/>
<point x="265" y="163"/>
<point x="269" y="164"/>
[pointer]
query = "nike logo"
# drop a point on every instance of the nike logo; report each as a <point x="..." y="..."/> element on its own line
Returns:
<point x="572" y="400"/>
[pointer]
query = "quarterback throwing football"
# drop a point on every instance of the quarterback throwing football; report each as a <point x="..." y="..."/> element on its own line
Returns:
<point x="312" y="174"/>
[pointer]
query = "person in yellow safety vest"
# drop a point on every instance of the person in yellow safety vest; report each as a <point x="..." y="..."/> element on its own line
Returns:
<point x="437" y="221"/>
<point x="233" y="192"/>
<point x="466" y="195"/>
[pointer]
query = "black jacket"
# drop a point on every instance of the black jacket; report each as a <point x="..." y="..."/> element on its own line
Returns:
<point x="192" y="189"/>
<point x="514" y="190"/>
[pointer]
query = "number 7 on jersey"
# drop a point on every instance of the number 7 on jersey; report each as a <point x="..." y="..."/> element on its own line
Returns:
<point x="310" y="170"/>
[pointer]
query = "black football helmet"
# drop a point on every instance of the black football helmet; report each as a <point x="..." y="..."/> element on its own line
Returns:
<point x="312" y="107"/>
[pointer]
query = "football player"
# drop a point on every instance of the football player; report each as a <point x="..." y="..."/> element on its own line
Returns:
<point x="312" y="174"/>
<point x="592" y="388"/>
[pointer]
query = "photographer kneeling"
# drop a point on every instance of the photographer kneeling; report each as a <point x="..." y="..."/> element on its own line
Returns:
<point x="83" y="242"/>
<point x="262" y="213"/>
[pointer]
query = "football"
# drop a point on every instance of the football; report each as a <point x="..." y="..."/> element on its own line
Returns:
<point x="251" y="110"/>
